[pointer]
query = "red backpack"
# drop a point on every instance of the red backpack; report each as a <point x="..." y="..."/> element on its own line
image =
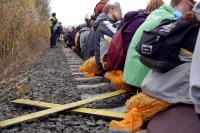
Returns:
<point x="115" y="55"/>
<point x="115" y="58"/>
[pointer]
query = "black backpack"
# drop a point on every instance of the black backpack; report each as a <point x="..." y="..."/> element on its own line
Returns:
<point x="160" y="47"/>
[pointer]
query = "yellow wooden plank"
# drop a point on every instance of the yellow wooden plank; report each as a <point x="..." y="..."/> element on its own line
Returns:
<point x="88" y="111"/>
<point x="42" y="105"/>
<point x="60" y="108"/>
<point x="100" y="112"/>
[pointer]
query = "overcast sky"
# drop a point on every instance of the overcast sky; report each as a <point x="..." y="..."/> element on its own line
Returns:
<point x="72" y="12"/>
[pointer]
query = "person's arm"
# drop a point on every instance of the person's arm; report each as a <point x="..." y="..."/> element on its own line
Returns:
<point x="106" y="28"/>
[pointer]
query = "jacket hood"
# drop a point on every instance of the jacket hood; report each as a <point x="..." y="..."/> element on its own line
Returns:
<point x="102" y="17"/>
<point x="167" y="8"/>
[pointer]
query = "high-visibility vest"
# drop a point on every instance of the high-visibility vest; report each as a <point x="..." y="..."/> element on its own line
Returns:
<point x="52" y="20"/>
<point x="57" y="24"/>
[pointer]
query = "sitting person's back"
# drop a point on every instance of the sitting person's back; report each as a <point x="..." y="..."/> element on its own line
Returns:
<point x="135" y="71"/>
<point x="105" y="28"/>
<point x="84" y="34"/>
<point x="116" y="55"/>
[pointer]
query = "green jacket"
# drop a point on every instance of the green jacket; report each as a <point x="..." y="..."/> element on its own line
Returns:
<point x="135" y="71"/>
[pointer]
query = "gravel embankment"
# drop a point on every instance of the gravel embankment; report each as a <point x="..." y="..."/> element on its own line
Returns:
<point x="50" y="80"/>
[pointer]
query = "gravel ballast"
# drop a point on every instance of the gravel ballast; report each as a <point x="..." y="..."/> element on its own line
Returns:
<point x="50" y="80"/>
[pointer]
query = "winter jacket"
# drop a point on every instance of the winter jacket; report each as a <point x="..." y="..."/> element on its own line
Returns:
<point x="104" y="27"/>
<point x="195" y="69"/>
<point x="83" y="39"/>
<point x="90" y="47"/>
<point x="116" y="55"/>
<point x="171" y="87"/>
<point x="134" y="70"/>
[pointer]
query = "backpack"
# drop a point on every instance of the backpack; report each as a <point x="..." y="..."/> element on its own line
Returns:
<point x="160" y="47"/>
<point x="114" y="59"/>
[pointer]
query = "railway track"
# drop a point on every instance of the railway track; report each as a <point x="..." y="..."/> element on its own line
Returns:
<point x="56" y="79"/>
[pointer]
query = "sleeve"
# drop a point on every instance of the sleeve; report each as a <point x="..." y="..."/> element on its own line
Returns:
<point x="195" y="77"/>
<point x="106" y="28"/>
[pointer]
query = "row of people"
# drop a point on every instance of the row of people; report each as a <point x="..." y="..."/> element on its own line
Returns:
<point x="149" y="51"/>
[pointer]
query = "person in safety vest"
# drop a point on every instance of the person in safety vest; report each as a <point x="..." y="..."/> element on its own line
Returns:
<point x="53" y="28"/>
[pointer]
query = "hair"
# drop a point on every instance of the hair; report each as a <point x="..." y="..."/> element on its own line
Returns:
<point x="107" y="8"/>
<point x="53" y="14"/>
<point x="154" y="4"/>
<point x="191" y="17"/>
<point x="176" y="2"/>
<point x="193" y="2"/>
<point x="105" y="1"/>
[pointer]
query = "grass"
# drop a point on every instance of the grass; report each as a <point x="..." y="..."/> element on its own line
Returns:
<point x="24" y="33"/>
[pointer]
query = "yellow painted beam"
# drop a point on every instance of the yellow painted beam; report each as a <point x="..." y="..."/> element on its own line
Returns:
<point x="88" y="111"/>
<point x="60" y="108"/>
